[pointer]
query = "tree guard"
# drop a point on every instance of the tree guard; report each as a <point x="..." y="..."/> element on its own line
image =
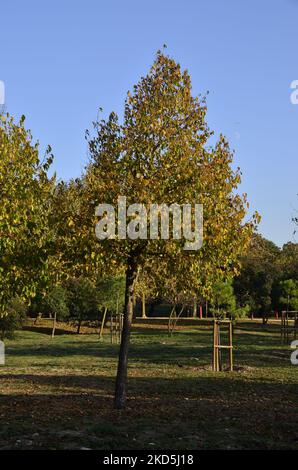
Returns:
<point x="116" y="327"/>
<point x="218" y="346"/>
<point x="288" y="325"/>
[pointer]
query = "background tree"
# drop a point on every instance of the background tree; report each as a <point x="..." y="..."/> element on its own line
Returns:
<point x="288" y="294"/>
<point x="224" y="303"/>
<point x="147" y="286"/>
<point x="111" y="291"/>
<point x="288" y="261"/>
<point x="82" y="300"/>
<point x="55" y="304"/>
<point x="259" y="272"/>
<point x="25" y="192"/>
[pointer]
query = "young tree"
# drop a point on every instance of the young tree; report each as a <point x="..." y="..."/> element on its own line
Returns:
<point x="110" y="297"/>
<point x="147" y="285"/>
<point x="224" y="302"/>
<point x="160" y="155"/>
<point x="55" y="303"/>
<point x="82" y="300"/>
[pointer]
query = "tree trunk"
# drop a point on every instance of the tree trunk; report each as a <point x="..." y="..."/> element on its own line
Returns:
<point x="173" y="311"/>
<point x="134" y="303"/>
<point x="54" y="325"/>
<point x="38" y="317"/>
<point x="103" y="322"/>
<point x="144" y="305"/>
<point x="120" y="389"/>
<point x="79" y="326"/>
<point x="201" y="312"/>
<point x="176" y="320"/>
<point x="195" y="308"/>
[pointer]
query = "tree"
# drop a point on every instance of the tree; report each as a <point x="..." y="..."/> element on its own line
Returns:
<point x="288" y="261"/>
<point x="110" y="297"/>
<point x="55" y="303"/>
<point x="224" y="302"/>
<point x="147" y="285"/>
<point x="25" y="191"/>
<point x="258" y="275"/>
<point x="172" y="284"/>
<point x="223" y="299"/>
<point x="82" y="300"/>
<point x="14" y="318"/>
<point x="160" y="155"/>
<point x="288" y="294"/>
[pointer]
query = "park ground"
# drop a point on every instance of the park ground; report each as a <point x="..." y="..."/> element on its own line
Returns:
<point x="58" y="393"/>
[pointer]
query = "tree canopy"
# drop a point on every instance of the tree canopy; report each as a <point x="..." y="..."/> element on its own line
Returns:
<point x="25" y="192"/>
<point x="160" y="154"/>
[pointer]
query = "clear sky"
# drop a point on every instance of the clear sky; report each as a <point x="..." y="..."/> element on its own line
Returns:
<point x="62" y="60"/>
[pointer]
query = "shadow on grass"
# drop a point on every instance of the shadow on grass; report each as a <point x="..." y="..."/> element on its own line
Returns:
<point x="211" y="386"/>
<point x="183" y="413"/>
<point x="44" y="330"/>
<point x="159" y="354"/>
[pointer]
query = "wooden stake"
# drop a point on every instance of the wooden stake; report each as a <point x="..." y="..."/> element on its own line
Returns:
<point x="102" y="323"/>
<point x="214" y="345"/>
<point x="231" y="345"/>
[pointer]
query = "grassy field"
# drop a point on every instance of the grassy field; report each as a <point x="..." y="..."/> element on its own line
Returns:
<point x="58" y="393"/>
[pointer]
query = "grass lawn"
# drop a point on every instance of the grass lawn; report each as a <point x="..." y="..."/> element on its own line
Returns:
<point x="58" y="393"/>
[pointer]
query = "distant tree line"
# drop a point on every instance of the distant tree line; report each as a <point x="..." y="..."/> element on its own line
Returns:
<point x="269" y="277"/>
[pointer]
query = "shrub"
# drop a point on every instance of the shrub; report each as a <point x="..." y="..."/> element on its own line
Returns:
<point x="13" y="319"/>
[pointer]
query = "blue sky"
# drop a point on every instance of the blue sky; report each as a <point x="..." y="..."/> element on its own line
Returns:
<point x="62" y="60"/>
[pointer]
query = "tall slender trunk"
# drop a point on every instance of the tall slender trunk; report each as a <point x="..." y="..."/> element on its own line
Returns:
<point x="79" y="326"/>
<point x="195" y="308"/>
<point x="173" y="311"/>
<point x="134" y="303"/>
<point x="201" y="312"/>
<point x="103" y="322"/>
<point x="144" y="305"/>
<point x="176" y="320"/>
<point x="120" y="389"/>
<point x="54" y="324"/>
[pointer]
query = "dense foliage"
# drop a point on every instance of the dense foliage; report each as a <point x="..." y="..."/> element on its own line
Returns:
<point x="264" y="269"/>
